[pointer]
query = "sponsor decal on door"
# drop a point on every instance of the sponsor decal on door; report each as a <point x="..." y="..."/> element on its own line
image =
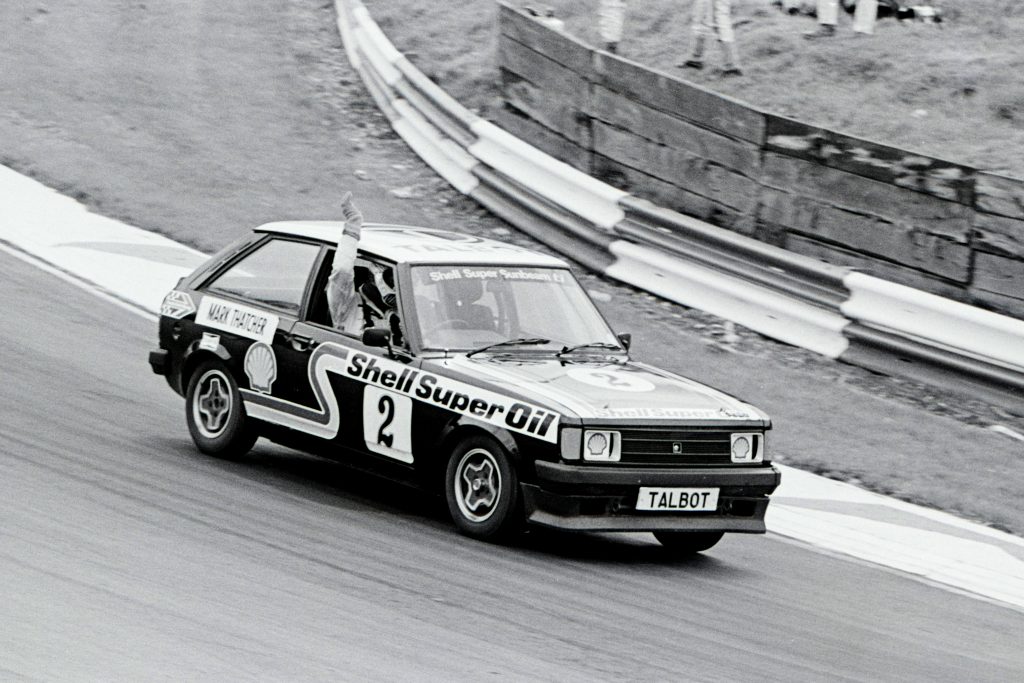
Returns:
<point x="245" y="321"/>
<point x="401" y="380"/>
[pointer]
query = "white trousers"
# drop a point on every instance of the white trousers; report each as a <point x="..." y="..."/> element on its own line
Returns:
<point x="611" y="16"/>
<point x="828" y="12"/>
<point x="863" y="17"/>
<point x="713" y="18"/>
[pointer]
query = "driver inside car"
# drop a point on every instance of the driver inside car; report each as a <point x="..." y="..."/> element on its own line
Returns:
<point x="375" y="287"/>
<point x="349" y="284"/>
<point x="462" y="297"/>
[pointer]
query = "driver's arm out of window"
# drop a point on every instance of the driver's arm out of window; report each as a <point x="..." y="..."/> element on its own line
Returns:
<point x="341" y="293"/>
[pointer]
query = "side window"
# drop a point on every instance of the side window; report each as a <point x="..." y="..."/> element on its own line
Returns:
<point x="273" y="275"/>
<point x="319" y="309"/>
<point x="376" y="303"/>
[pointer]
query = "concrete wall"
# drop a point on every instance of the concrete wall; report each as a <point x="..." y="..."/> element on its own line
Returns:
<point x="929" y="223"/>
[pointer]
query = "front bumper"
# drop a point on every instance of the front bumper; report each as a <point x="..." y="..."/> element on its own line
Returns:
<point x="601" y="498"/>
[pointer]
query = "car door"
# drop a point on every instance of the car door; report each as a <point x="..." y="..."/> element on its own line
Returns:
<point x="249" y="308"/>
<point x="348" y="392"/>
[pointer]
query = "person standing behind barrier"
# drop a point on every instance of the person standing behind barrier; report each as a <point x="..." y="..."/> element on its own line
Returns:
<point x="611" y="17"/>
<point x="713" y="18"/>
<point x="828" y="15"/>
<point x="864" y="16"/>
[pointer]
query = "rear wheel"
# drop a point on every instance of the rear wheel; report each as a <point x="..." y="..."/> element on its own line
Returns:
<point x="688" y="542"/>
<point x="215" y="414"/>
<point x="482" y="490"/>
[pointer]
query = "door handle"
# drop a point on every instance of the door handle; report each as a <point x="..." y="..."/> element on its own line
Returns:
<point x="300" y="342"/>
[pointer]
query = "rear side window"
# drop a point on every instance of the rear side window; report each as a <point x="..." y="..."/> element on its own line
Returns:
<point x="273" y="275"/>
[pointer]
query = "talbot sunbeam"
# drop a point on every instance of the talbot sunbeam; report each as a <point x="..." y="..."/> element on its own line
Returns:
<point x="472" y="368"/>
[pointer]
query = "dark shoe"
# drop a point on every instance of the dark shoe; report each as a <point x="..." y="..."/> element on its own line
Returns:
<point x="691" y="64"/>
<point x="732" y="71"/>
<point x="823" y="31"/>
<point x="612" y="47"/>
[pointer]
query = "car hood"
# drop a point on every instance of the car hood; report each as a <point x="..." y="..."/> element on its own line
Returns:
<point x="606" y="390"/>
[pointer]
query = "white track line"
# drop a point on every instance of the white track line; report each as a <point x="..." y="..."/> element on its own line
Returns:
<point x="78" y="281"/>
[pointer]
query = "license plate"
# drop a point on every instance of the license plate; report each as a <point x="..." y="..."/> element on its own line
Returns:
<point x="686" y="500"/>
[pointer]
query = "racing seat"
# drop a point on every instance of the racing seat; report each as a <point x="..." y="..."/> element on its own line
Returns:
<point x="462" y="304"/>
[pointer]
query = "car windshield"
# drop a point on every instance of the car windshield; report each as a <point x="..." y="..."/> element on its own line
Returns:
<point x="465" y="308"/>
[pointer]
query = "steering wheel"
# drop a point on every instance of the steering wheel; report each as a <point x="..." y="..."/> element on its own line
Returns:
<point x="449" y="323"/>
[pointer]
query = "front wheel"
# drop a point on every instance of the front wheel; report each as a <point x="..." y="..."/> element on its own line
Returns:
<point x="215" y="414"/>
<point x="688" y="542"/>
<point x="482" y="490"/>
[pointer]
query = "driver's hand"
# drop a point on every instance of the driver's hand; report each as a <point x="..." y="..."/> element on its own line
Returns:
<point x="353" y="216"/>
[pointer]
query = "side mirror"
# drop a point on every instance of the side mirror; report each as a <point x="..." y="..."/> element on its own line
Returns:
<point x="626" y="339"/>
<point x="374" y="336"/>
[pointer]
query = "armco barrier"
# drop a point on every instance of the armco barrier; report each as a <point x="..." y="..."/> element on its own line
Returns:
<point x="828" y="309"/>
<point x="775" y="315"/>
<point x="542" y="219"/>
<point x="803" y="278"/>
<point x="785" y="296"/>
<point x="980" y="334"/>
<point x="904" y="331"/>
<point x="560" y="183"/>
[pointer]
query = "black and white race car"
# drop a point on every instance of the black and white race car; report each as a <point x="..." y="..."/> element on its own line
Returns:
<point x="467" y="366"/>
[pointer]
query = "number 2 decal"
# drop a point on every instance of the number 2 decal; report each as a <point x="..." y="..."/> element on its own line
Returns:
<point x="387" y="423"/>
<point x="610" y="378"/>
<point x="386" y="406"/>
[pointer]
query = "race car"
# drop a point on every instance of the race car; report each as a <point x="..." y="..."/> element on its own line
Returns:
<point x="469" y="367"/>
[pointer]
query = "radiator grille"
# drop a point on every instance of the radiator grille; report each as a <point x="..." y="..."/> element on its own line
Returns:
<point x="664" y="447"/>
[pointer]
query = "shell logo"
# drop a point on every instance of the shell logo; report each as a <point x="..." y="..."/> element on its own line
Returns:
<point x="261" y="367"/>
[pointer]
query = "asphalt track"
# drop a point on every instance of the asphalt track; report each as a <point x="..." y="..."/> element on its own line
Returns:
<point x="127" y="555"/>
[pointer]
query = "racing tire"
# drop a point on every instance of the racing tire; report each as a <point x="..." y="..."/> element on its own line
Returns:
<point x="482" y="490"/>
<point x="215" y="413"/>
<point x="688" y="542"/>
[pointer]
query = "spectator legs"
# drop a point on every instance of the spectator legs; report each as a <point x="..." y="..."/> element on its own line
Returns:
<point x="828" y="12"/>
<point x="611" y="16"/>
<point x="864" y="16"/>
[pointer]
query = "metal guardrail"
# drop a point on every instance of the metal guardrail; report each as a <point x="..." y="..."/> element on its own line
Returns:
<point x="899" y="330"/>
<point x="828" y="309"/>
<point x="771" y="267"/>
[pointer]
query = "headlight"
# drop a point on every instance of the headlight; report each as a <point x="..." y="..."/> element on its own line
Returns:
<point x="602" y="446"/>
<point x="570" y="443"/>
<point x="747" y="447"/>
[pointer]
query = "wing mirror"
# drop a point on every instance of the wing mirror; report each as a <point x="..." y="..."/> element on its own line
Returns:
<point x="626" y="339"/>
<point x="375" y="336"/>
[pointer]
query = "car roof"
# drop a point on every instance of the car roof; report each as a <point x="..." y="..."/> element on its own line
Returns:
<point x="415" y="245"/>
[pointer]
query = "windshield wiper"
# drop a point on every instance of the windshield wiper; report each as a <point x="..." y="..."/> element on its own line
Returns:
<point x="591" y="345"/>
<point x="520" y="341"/>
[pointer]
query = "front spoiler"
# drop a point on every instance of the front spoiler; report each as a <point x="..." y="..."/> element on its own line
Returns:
<point x="765" y="476"/>
<point x="581" y="498"/>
